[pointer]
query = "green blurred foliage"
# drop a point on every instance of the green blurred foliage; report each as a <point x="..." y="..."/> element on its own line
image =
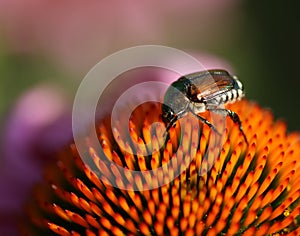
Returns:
<point x="18" y="73"/>
<point x="270" y="35"/>
<point x="21" y="72"/>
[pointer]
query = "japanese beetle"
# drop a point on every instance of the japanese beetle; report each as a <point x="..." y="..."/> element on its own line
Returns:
<point x="199" y="92"/>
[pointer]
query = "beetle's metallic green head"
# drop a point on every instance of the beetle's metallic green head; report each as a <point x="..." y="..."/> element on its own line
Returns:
<point x="175" y="102"/>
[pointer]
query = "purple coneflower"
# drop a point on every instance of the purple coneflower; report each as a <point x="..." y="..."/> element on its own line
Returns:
<point x="249" y="190"/>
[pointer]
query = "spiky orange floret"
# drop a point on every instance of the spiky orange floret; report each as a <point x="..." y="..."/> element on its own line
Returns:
<point x="249" y="190"/>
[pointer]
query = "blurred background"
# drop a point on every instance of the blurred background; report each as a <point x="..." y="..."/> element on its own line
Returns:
<point x="53" y="44"/>
<point x="47" y="47"/>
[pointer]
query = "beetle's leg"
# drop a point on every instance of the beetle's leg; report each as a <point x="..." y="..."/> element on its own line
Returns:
<point x="233" y="116"/>
<point x="173" y="121"/>
<point x="169" y="126"/>
<point x="205" y="121"/>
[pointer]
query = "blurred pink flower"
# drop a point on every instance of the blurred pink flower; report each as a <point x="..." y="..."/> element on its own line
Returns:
<point x="38" y="126"/>
<point x="77" y="33"/>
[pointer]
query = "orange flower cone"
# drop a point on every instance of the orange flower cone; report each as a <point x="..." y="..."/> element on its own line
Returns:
<point x="248" y="190"/>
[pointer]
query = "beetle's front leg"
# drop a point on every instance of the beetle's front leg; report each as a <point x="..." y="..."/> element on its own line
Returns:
<point x="205" y="121"/>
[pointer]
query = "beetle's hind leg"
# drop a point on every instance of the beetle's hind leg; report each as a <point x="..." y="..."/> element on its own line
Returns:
<point x="233" y="116"/>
